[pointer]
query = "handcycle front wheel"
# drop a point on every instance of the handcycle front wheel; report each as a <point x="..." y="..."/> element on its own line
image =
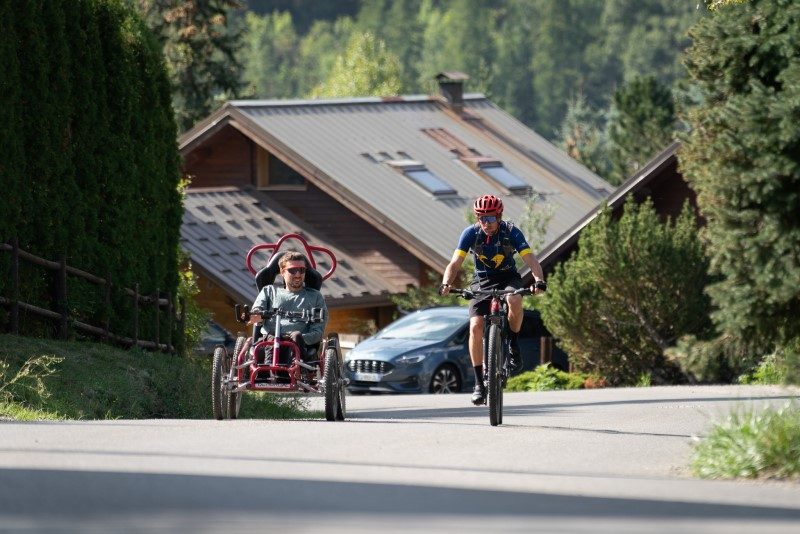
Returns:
<point x="218" y="396"/>
<point x="235" y="399"/>
<point x="494" y="366"/>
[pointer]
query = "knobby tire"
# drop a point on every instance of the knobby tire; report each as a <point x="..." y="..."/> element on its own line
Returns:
<point x="216" y="383"/>
<point x="331" y="379"/>
<point x="494" y="366"/>
<point x="234" y="399"/>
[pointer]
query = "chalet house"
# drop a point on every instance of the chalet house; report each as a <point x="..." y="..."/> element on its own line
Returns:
<point x="386" y="183"/>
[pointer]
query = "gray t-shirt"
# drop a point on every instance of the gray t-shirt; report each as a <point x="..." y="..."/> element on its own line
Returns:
<point x="278" y="297"/>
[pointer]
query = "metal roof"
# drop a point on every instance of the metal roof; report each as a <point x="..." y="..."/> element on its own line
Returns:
<point x="220" y="225"/>
<point x="343" y="146"/>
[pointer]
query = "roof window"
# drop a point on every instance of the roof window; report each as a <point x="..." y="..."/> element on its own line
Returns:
<point x="422" y="176"/>
<point x="488" y="167"/>
<point x="497" y="172"/>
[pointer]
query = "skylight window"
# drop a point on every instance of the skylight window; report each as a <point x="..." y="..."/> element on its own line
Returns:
<point x="423" y="177"/>
<point x="498" y="173"/>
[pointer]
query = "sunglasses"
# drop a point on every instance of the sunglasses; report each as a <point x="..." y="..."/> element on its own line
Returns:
<point x="296" y="270"/>
<point x="488" y="219"/>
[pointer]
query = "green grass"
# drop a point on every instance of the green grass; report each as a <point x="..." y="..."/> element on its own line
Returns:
<point x="545" y="378"/>
<point x="82" y="380"/>
<point x="752" y="444"/>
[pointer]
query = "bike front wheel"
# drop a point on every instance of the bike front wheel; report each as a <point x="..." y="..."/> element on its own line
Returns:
<point x="494" y="368"/>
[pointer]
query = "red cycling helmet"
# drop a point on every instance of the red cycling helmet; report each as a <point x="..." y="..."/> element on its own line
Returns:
<point x="488" y="205"/>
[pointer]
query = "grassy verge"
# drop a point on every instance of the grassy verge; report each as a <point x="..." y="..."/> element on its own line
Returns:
<point x="750" y="444"/>
<point x="47" y="379"/>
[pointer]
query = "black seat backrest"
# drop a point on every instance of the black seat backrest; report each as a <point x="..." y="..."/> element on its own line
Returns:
<point x="267" y="275"/>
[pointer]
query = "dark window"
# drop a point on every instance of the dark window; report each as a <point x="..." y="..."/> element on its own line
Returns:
<point x="282" y="174"/>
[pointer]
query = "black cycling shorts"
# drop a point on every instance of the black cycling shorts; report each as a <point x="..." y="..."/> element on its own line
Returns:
<point x="478" y="307"/>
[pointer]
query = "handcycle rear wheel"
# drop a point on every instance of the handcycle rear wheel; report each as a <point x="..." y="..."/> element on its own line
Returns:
<point x="494" y="368"/>
<point x="334" y="401"/>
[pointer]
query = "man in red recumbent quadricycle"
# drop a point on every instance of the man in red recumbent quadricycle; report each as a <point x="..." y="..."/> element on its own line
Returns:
<point x="288" y="320"/>
<point x="295" y="297"/>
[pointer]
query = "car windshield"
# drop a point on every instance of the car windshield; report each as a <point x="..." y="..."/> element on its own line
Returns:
<point x="421" y="325"/>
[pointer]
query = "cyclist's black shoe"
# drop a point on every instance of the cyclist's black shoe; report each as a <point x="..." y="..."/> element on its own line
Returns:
<point x="479" y="395"/>
<point x="514" y="355"/>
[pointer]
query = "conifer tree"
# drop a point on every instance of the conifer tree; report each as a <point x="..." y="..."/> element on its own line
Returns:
<point x="200" y="47"/>
<point x="582" y="136"/>
<point x="742" y="157"/>
<point x="641" y="123"/>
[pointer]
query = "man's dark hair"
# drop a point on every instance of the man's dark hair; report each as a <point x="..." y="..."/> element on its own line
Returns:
<point x="290" y="255"/>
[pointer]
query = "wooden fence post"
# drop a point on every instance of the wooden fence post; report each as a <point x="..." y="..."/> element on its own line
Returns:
<point x="182" y="325"/>
<point x="156" y="307"/>
<point x="545" y="349"/>
<point x="136" y="315"/>
<point x="61" y="297"/>
<point x="107" y="325"/>
<point x="170" y="321"/>
<point x="15" y="286"/>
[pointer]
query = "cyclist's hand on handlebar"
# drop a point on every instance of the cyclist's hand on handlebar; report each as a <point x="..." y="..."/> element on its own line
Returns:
<point x="540" y="286"/>
<point x="444" y="289"/>
<point x="255" y="318"/>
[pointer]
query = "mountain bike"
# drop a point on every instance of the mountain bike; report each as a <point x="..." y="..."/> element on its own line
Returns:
<point x="495" y="344"/>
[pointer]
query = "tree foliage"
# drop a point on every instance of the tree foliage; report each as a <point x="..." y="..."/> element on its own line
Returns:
<point x="742" y="157"/>
<point x="366" y="68"/>
<point x="631" y="290"/>
<point x="200" y="47"/>
<point x="92" y="171"/>
<point x="582" y="136"/>
<point x="641" y="124"/>
<point x="532" y="57"/>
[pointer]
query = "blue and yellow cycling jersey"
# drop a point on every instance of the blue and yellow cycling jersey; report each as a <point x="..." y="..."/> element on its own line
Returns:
<point x="493" y="254"/>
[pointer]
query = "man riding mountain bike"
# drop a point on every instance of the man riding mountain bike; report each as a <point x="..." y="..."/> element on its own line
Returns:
<point x="493" y="243"/>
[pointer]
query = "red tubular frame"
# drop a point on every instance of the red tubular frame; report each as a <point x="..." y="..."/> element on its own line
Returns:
<point x="293" y="369"/>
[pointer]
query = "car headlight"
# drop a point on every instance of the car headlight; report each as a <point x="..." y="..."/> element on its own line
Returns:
<point x="410" y="359"/>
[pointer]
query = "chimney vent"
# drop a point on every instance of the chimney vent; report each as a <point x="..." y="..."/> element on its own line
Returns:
<point x="451" y="87"/>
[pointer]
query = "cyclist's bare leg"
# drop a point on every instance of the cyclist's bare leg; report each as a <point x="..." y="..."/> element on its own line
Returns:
<point x="476" y="340"/>
<point x="515" y="312"/>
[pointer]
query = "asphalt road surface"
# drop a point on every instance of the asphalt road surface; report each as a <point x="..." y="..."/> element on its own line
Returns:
<point x="612" y="460"/>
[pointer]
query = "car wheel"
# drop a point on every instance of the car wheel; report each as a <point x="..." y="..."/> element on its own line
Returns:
<point x="445" y="380"/>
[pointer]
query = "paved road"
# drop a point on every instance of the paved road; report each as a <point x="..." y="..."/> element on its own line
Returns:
<point x="609" y="460"/>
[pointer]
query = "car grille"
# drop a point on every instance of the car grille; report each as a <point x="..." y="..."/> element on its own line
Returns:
<point x="369" y="366"/>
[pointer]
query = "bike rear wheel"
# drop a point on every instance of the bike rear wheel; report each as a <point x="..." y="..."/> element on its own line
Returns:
<point x="494" y="367"/>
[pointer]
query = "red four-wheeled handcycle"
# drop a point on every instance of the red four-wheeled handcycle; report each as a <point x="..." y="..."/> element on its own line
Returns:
<point x="319" y="373"/>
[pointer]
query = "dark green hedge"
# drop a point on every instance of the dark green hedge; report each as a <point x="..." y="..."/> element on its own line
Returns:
<point x="89" y="162"/>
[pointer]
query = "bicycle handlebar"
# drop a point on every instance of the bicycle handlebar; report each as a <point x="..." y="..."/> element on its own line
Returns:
<point x="472" y="293"/>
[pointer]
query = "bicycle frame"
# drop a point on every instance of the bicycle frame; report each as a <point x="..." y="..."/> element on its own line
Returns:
<point x="495" y="369"/>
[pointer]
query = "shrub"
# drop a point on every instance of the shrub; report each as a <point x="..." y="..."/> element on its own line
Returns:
<point x="631" y="290"/>
<point x="545" y="378"/>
